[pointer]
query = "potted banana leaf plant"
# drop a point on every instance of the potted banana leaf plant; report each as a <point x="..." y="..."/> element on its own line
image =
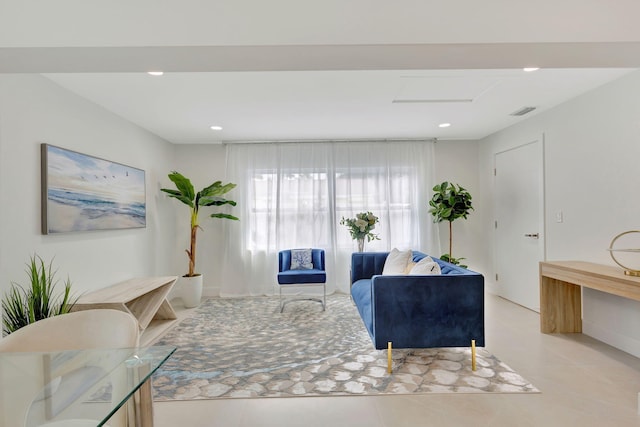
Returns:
<point x="190" y="286"/>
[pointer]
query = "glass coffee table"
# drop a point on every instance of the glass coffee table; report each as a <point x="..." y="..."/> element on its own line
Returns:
<point x="79" y="387"/>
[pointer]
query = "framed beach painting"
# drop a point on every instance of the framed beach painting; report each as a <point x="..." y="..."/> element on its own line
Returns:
<point x="83" y="193"/>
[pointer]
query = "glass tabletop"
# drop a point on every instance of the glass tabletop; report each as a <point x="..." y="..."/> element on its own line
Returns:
<point x="91" y="385"/>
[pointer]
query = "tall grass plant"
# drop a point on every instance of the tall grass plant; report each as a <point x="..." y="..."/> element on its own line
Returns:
<point x="25" y="305"/>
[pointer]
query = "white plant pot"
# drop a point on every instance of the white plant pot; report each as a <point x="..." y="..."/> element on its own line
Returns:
<point x="190" y="290"/>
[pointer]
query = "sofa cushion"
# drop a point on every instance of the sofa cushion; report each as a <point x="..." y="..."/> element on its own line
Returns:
<point x="396" y="262"/>
<point x="417" y="256"/>
<point x="448" y="268"/>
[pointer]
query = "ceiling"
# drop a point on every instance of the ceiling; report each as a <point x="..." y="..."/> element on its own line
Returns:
<point x="297" y="70"/>
<point x="331" y="105"/>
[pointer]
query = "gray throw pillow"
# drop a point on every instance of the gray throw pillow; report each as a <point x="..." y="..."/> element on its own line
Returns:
<point x="301" y="259"/>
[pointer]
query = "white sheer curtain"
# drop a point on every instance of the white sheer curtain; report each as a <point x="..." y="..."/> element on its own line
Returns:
<point x="292" y="195"/>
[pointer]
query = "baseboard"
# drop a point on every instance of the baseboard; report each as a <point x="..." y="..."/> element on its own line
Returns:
<point x="491" y="288"/>
<point x="622" y="342"/>
<point x="210" y="291"/>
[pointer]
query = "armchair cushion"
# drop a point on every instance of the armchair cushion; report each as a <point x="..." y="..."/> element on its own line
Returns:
<point x="291" y="277"/>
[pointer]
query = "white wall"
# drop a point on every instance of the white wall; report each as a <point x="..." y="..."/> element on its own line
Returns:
<point x="29" y="23"/>
<point x="592" y="147"/>
<point x="33" y="110"/>
<point x="457" y="162"/>
<point x="203" y="165"/>
<point x="591" y="172"/>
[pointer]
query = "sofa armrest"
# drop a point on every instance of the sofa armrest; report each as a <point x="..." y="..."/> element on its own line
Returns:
<point x="428" y="311"/>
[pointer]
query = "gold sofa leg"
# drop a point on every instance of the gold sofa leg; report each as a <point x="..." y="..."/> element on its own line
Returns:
<point x="389" y="368"/>
<point x="473" y="355"/>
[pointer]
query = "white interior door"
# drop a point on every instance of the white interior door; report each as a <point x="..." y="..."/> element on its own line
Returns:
<point x="519" y="226"/>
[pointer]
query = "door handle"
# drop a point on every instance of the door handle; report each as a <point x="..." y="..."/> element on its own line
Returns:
<point x="534" y="235"/>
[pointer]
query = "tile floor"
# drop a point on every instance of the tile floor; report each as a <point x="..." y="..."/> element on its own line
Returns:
<point x="583" y="382"/>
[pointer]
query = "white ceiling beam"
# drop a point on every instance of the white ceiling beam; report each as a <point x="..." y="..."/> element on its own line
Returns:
<point x="319" y="57"/>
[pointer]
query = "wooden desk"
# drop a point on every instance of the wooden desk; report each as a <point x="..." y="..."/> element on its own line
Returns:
<point x="560" y="293"/>
<point x="145" y="298"/>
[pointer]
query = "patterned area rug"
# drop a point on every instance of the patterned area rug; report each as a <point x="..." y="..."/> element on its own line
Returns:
<point x="244" y="347"/>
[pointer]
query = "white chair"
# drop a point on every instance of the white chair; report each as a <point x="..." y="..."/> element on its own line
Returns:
<point x="87" y="329"/>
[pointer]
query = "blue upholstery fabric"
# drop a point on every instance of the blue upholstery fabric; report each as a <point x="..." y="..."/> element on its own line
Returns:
<point x="444" y="310"/>
<point x="361" y="292"/>
<point x="286" y="276"/>
<point x="291" y="277"/>
<point x="366" y="264"/>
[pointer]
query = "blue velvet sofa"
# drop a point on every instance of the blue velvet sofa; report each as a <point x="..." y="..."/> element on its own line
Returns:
<point x="445" y="310"/>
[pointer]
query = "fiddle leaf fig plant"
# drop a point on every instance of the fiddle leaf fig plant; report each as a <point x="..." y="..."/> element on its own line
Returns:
<point x="208" y="196"/>
<point x="25" y="305"/>
<point x="448" y="203"/>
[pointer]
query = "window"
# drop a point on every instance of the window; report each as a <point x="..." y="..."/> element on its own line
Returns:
<point x="293" y="195"/>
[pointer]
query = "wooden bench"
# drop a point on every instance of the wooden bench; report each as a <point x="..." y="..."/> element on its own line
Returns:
<point x="145" y="298"/>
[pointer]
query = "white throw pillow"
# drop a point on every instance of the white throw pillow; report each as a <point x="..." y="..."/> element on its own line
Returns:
<point x="424" y="260"/>
<point x="396" y="262"/>
<point x="427" y="267"/>
<point x="301" y="259"/>
<point x="409" y="266"/>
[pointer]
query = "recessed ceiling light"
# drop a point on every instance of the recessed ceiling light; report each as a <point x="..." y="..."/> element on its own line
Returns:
<point x="444" y="125"/>
<point x="216" y="127"/>
<point x="155" y="73"/>
<point x="530" y="69"/>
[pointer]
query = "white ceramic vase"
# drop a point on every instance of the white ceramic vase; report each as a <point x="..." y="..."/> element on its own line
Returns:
<point x="190" y="290"/>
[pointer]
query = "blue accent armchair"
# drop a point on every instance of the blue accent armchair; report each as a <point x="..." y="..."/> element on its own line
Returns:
<point x="315" y="276"/>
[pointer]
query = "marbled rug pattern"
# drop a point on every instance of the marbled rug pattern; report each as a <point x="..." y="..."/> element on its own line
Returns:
<point x="244" y="347"/>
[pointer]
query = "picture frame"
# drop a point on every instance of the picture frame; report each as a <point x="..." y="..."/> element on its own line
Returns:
<point x="81" y="192"/>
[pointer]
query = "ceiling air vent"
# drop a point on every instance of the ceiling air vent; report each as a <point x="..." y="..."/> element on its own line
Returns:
<point x="522" y="111"/>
